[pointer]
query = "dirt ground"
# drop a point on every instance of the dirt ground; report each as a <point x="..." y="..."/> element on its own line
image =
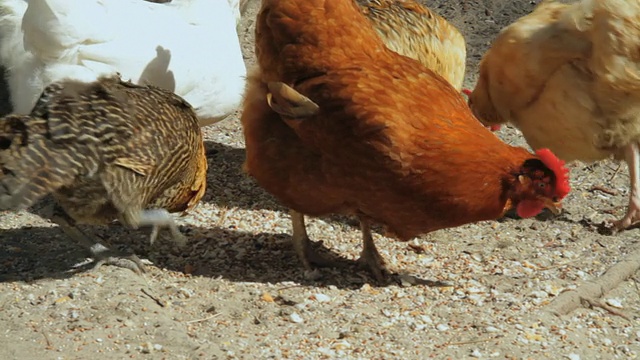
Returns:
<point x="238" y="291"/>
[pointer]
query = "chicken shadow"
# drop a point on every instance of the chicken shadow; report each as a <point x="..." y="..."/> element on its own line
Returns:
<point x="157" y="71"/>
<point x="228" y="186"/>
<point x="30" y="254"/>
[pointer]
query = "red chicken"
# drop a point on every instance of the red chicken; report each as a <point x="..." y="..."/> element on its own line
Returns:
<point x="355" y="128"/>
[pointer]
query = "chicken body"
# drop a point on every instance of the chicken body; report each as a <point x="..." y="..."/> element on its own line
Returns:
<point x="568" y="76"/>
<point x="189" y="47"/>
<point x="374" y="148"/>
<point x="106" y="151"/>
<point x="413" y="30"/>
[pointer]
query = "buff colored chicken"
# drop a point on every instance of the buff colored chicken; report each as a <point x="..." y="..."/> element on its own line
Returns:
<point x="568" y="76"/>
<point x="413" y="30"/>
<point x="107" y="150"/>
<point x="335" y="122"/>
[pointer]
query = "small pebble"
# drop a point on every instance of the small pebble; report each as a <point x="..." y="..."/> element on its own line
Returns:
<point x="327" y="352"/>
<point x="573" y="356"/>
<point x="616" y="303"/>
<point x="442" y="327"/>
<point x="296" y="318"/>
<point x="342" y="345"/>
<point x="321" y="298"/>
<point x="539" y="294"/>
<point x="476" y="353"/>
<point x="146" y="348"/>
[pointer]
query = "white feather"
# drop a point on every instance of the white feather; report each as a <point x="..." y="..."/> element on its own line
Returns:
<point x="190" y="47"/>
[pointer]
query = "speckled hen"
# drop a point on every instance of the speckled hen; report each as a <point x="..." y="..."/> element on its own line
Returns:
<point x="413" y="30"/>
<point x="107" y="150"/>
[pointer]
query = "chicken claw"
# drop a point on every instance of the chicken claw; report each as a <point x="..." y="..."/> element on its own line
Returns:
<point x="159" y="218"/>
<point x="370" y="257"/>
<point x="101" y="254"/>
<point x="131" y="262"/>
<point x="302" y="245"/>
<point x="286" y="101"/>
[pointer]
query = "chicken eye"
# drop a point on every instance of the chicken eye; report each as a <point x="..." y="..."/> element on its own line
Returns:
<point x="542" y="185"/>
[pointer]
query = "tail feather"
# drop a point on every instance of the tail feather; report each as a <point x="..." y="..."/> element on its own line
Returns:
<point x="31" y="167"/>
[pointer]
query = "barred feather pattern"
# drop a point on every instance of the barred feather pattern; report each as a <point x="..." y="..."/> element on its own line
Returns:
<point x="106" y="150"/>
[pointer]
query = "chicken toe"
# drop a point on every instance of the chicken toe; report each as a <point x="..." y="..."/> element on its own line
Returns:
<point x="370" y="257"/>
<point x="632" y="157"/>
<point x="106" y="256"/>
<point x="302" y="245"/>
<point x="101" y="254"/>
<point x="159" y="218"/>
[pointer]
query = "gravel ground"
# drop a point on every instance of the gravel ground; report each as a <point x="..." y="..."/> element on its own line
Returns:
<point x="238" y="290"/>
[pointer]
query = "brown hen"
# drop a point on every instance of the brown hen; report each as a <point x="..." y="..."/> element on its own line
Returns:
<point x="389" y="141"/>
<point x="108" y="150"/>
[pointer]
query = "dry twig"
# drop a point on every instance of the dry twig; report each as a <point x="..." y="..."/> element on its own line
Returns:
<point x="158" y="301"/>
<point x="46" y="338"/>
<point x="449" y="343"/>
<point x="603" y="189"/>
<point x="610" y="309"/>
<point x="203" y="319"/>
<point x="572" y="299"/>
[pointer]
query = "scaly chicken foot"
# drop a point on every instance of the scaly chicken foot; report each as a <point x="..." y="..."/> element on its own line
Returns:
<point x="370" y="257"/>
<point x="632" y="157"/>
<point x="302" y="245"/>
<point x="101" y="254"/>
<point x="157" y="218"/>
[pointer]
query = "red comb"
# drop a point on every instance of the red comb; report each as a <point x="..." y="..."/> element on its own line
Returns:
<point x="467" y="92"/>
<point x="557" y="166"/>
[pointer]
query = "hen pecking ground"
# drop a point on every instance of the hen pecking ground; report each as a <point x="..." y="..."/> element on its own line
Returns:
<point x="238" y="290"/>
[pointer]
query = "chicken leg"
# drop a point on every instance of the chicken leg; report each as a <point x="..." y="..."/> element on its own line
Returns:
<point x="632" y="157"/>
<point x="302" y="245"/>
<point x="156" y="218"/>
<point x="370" y="257"/>
<point x="102" y="255"/>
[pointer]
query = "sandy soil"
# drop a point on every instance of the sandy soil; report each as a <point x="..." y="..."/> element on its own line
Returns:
<point x="238" y="290"/>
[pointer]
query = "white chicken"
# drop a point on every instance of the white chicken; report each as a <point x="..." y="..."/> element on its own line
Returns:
<point x="190" y="47"/>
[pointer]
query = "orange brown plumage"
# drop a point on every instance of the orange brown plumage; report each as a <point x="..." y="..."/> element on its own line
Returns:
<point x="391" y="142"/>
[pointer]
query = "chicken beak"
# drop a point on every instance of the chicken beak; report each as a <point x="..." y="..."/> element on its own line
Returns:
<point x="554" y="206"/>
